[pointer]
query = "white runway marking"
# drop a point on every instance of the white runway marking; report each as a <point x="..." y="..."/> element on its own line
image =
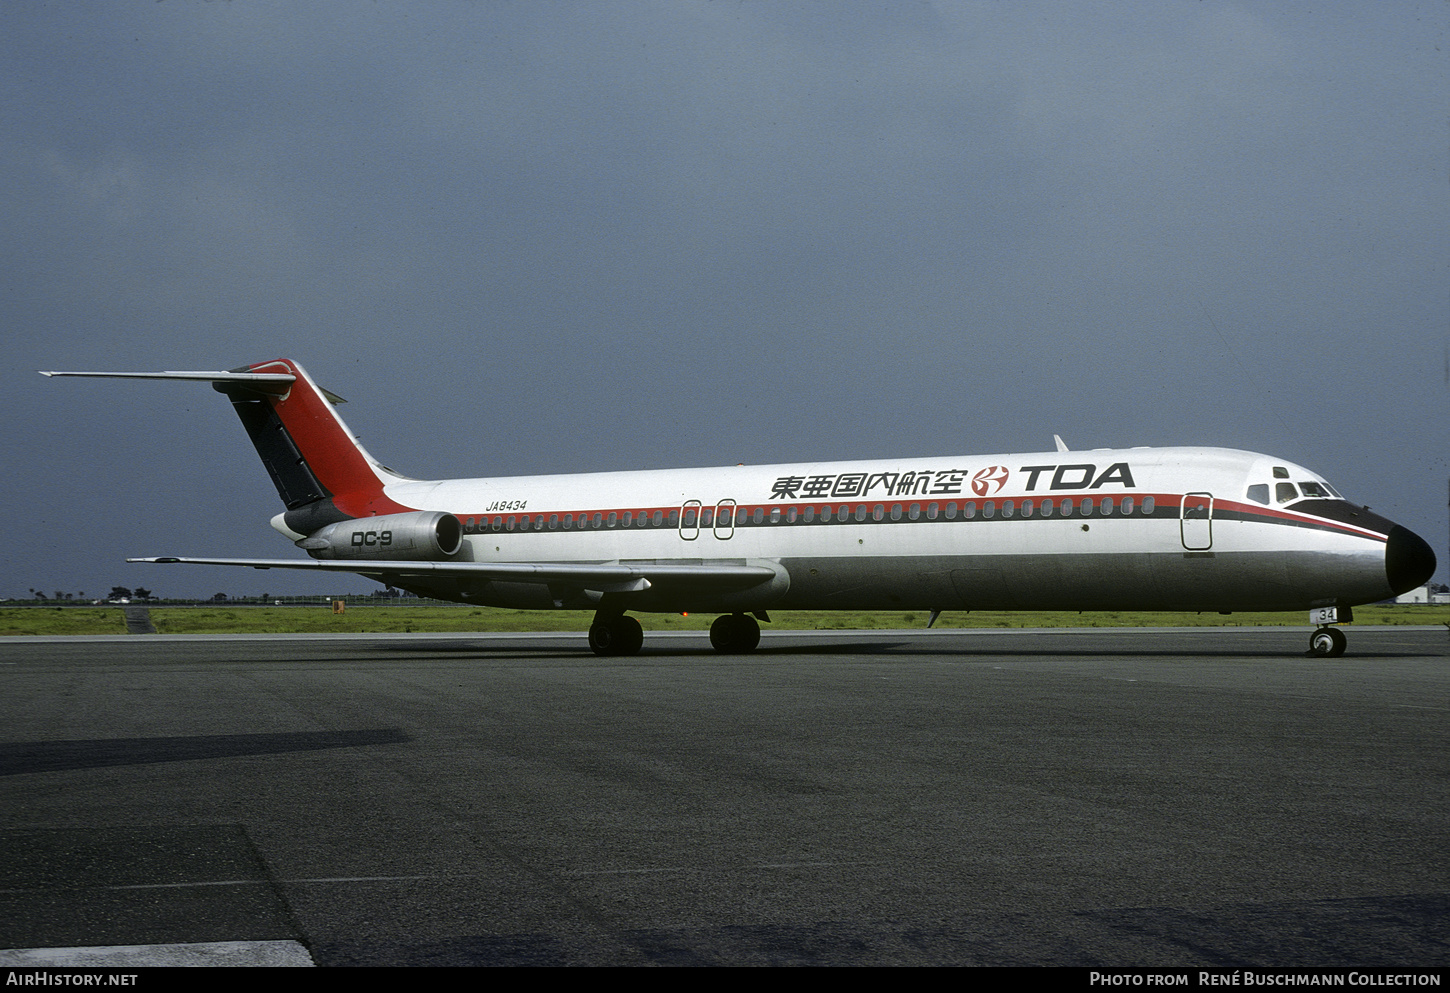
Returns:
<point x="211" y="953"/>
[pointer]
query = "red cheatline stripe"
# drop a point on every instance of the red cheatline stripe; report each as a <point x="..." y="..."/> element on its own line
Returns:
<point x="1163" y="501"/>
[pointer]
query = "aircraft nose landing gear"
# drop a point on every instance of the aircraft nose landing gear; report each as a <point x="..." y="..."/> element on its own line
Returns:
<point x="1327" y="643"/>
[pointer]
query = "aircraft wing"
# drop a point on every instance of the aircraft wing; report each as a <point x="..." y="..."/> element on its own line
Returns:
<point x="606" y="577"/>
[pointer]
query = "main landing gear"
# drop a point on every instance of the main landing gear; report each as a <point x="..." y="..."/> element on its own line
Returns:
<point x="734" y="634"/>
<point x="1327" y="642"/>
<point x="618" y="634"/>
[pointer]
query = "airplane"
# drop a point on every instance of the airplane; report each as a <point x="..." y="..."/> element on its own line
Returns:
<point x="1183" y="529"/>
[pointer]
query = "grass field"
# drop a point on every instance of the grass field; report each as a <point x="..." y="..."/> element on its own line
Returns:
<point x="421" y="618"/>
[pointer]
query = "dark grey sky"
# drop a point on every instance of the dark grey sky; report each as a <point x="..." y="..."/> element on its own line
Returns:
<point x="554" y="237"/>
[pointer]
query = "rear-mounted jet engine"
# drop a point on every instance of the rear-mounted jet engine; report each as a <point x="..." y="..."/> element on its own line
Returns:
<point x="425" y="535"/>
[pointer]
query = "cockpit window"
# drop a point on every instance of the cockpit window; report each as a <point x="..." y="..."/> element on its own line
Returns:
<point x="1259" y="493"/>
<point x="1284" y="492"/>
<point x="1315" y="490"/>
<point x="1280" y="472"/>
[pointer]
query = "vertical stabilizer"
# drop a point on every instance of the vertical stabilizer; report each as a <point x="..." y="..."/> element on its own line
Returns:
<point x="321" y="472"/>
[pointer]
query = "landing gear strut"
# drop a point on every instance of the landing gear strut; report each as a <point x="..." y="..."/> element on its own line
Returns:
<point x="1327" y="642"/>
<point x="734" y="634"/>
<point x="615" y="634"/>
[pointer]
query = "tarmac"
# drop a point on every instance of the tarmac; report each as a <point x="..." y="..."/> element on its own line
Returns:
<point x="1133" y="797"/>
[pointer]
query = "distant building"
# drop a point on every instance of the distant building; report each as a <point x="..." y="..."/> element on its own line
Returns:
<point x="1420" y="594"/>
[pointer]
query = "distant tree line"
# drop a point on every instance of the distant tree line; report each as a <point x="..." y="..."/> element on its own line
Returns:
<point x="127" y="593"/>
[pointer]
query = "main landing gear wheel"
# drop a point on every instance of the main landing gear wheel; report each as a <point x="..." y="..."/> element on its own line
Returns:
<point x="619" y="635"/>
<point x="734" y="634"/>
<point x="1327" y="643"/>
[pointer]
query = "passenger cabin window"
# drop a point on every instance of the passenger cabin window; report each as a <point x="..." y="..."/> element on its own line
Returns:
<point x="1284" y="492"/>
<point x="1259" y="493"/>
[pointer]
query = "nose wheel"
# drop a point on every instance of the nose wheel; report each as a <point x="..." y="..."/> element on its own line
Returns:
<point x="1327" y="643"/>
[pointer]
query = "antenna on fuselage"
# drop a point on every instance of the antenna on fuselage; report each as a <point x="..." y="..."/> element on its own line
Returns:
<point x="1061" y="445"/>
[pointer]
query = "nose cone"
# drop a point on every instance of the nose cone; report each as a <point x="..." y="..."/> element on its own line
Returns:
<point x="1409" y="562"/>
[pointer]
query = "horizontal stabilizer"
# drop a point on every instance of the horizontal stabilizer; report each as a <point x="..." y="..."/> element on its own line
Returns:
<point x="267" y="382"/>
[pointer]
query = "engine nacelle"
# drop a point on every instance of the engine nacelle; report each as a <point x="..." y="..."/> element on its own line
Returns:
<point x="421" y="536"/>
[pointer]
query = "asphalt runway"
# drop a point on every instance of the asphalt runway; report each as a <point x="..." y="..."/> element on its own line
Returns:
<point x="1084" y="798"/>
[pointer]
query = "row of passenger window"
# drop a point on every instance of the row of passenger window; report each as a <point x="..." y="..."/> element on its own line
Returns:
<point x="567" y="522"/>
<point x="731" y="516"/>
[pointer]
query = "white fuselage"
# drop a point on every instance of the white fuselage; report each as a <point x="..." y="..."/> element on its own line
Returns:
<point x="1143" y="528"/>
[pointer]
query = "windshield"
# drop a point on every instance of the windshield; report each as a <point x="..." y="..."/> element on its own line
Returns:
<point x="1282" y="491"/>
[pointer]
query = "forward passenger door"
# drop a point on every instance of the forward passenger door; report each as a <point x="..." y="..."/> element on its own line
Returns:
<point x="1195" y="522"/>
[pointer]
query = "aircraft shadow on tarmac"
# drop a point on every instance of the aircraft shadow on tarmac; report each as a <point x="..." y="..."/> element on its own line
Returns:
<point x="18" y="757"/>
<point x="464" y="647"/>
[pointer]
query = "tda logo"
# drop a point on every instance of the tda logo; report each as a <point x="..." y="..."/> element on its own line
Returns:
<point x="1082" y="476"/>
<point x="989" y="480"/>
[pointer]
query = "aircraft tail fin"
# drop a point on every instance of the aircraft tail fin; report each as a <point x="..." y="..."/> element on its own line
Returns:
<point x="322" y="474"/>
